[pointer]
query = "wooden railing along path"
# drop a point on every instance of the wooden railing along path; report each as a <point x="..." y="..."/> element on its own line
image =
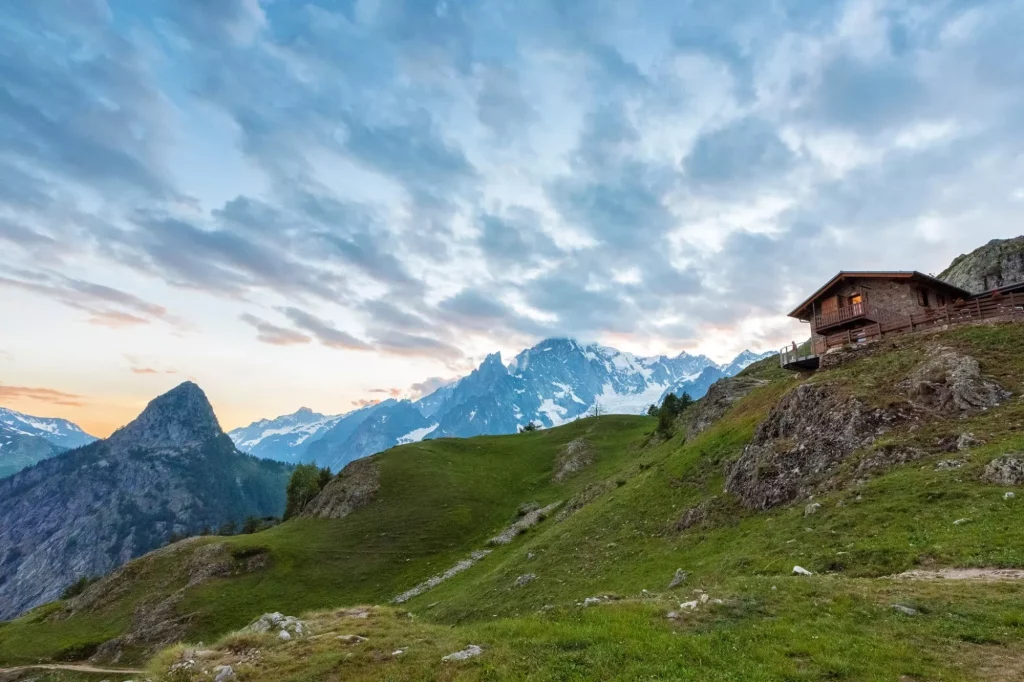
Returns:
<point x="1009" y="306"/>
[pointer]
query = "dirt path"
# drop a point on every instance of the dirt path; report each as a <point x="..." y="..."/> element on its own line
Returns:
<point x="987" y="575"/>
<point x="72" y="668"/>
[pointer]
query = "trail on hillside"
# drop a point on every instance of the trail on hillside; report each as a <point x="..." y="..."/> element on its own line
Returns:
<point x="71" y="667"/>
<point x="975" y="574"/>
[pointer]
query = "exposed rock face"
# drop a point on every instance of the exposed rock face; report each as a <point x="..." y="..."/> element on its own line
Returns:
<point x="1008" y="470"/>
<point x="815" y="427"/>
<point x="85" y="512"/>
<point x="353" y="488"/>
<point x="575" y="457"/>
<point x="720" y="397"/>
<point x="951" y="382"/>
<point x="810" y="431"/>
<point x="997" y="264"/>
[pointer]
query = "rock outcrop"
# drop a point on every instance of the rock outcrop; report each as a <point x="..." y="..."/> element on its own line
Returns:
<point x="816" y="426"/>
<point x="803" y="440"/>
<point x="720" y="397"/>
<point x="353" y="488"/>
<point x="952" y="383"/>
<point x="84" y="513"/>
<point x="997" y="264"/>
<point x="1007" y="470"/>
<point x="576" y="456"/>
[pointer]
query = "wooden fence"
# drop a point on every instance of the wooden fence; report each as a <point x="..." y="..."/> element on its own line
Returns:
<point x="1008" y="306"/>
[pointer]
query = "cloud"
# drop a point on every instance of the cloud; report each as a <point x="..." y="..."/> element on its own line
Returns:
<point x="43" y="395"/>
<point x="424" y="388"/>
<point x="274" y="335"/>
<point x="393" y="392"/>
<point x="745" y="150"/>
<point x="104" y="305"/>
<point x="324" y="331"/>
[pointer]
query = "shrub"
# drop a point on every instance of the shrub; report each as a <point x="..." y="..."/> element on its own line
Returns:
<point x="306" y="483"/>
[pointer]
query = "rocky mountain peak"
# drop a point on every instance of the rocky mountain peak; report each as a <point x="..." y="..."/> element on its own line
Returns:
<point x="997" y="264"/>
<point x="181" y="417"/>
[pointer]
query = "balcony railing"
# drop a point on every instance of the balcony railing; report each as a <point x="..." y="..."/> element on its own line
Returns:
<point x="848" y="313"/>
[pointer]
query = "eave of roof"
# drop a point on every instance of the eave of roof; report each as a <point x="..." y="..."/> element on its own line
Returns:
<point x="871" y="274"/>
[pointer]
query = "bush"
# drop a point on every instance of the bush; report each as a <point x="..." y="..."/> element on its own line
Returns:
<point x="306" y="483"/>
<point x="670" y="409"/>
<point x="528" y="428"/>
<point x="78" y="587"/>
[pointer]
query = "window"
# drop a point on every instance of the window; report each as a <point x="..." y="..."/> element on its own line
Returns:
<point x="940" y="300"/>
<point x="922" y="297"/>
<point x="856" y="299"/>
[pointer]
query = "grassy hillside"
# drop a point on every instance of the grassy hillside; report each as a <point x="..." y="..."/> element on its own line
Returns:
<point x="880" y="514"/>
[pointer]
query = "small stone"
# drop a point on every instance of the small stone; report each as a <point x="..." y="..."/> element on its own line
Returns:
<point x="717" y="602"/>
<point x="398" y="652"/>
<point x="525" y="579"/>
<point x="799" y="570"/>
<point x="284" y="635"/>
<point x="812" y="508"/>
<point x="678" y="579"/>
<point x="1008" y="495"/>
<point x="704" y="599"/>
<point x="672" y="615"/>
<point x="960" y="522"/>
<point x="690" y="605"/>
<point x="966" y="441"/>
<point x="530" y="555"/>
<point x="351" y="639"/>
<point x="591" y="601"/>
<point x="224" y="673"/>
<point x="469" y="652"/>
<point x="906" y="610"/>
<point x="949" y="465"/>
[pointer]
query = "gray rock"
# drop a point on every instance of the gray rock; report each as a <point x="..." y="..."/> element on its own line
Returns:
<point x="591" y="601"/>
<point x="812" y="508"/>
<point x="696" y="516"/>
<point x="355" y="487"/>
<point x="224" y="673"/>
<point x="951" y="382"/>
<point x="525" y="579"/>
<point x="1006" y="470"/>
<point x="803" y="440"/>
<point x="906" y="610"/>
<point x="967" y="441"/>
<point x="576" y="456"/>
<point x="949" y="465"/>
<point x="471" y="651"/>
<point x="997" y="264"/>
<point x="678" y="579"/>
<point x="800" y="570"/>
<point x="1008" y="495"/>
<point x="285" y="635"/>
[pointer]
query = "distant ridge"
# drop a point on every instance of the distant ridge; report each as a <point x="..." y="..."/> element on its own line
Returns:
<point x="554" y="382"/>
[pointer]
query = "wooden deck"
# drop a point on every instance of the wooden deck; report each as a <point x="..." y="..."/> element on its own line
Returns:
<point x="850" y="313"/>
<point x="807" y="356"/>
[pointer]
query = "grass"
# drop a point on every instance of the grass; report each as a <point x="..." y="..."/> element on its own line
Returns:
<point x="440" y="500"/>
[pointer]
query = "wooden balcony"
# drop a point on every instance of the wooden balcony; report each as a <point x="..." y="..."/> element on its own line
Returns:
<point x="845" y="315"/>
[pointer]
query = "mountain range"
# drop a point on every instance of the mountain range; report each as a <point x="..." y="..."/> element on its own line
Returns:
<point x="171" y="471"/>
<point x="25" y="440"/>
<point x="554" y="382"/>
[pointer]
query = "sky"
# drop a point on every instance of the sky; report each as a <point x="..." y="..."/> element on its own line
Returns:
<point x="327" y="202"/>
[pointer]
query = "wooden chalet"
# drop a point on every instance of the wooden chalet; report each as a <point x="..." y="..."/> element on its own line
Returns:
<point x="856" y="307"/>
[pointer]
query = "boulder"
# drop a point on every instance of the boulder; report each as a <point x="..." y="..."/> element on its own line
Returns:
<point x="800" y="570"/>
<point x="470" y="651"/>
<point x="526" y="579"/>
<point x="952" y="383"/>
<point x="678" y="579"/>
<point x="997" y="264"/>
<point x="1006" y="470"/>
<point x="812" y="509"/>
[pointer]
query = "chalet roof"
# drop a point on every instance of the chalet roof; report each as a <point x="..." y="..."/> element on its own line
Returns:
<point x="910" y="275"/>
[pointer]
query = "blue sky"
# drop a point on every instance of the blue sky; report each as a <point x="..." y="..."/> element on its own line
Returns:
<point x="325" y="202"/>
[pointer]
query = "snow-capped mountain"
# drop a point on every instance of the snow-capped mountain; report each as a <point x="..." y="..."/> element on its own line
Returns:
<point x="60" y="432"/>
<point x="25" y="440"/>
<point x="285" y="437"/>
<point x="555" y="382"/>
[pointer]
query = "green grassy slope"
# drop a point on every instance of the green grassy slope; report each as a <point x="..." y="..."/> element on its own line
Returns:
<point x="440" y="500"/>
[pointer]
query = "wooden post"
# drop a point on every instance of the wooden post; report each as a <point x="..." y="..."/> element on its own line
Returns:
<point x="977" y="306"/>
<point x="911" y="318"/>
<point x="849" y="336"/>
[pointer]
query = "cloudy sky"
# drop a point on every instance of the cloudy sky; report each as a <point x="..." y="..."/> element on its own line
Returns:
<point x="331" y="201"/>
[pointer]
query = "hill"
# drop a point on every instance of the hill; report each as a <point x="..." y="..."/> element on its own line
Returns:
<point x="630" y="556"/>
<point x="82" y="513"/>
